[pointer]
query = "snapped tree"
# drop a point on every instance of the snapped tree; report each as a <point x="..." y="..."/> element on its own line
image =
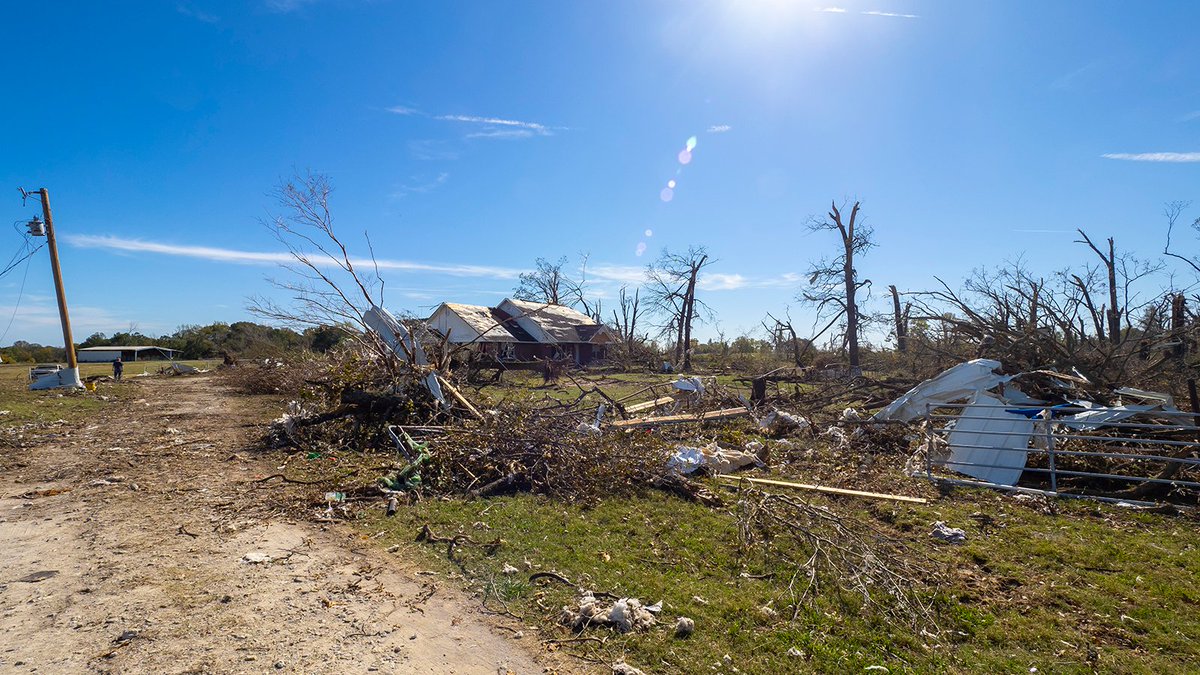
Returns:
<point x="672" y="281"/>
<point x="833" y="283"/>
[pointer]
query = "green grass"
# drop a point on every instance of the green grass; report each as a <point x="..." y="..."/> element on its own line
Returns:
<point x="24" y="406"/>
<point x="1091" y="589"/>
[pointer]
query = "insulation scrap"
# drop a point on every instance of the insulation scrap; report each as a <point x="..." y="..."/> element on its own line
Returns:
<point x="715" y="458"/>
<point x="951" y="535"/>
<point x="779" y="422"/>
<point x="626" y="615"/>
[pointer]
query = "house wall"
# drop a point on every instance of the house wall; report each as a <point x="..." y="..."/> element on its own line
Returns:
<point x="451" y="325"/>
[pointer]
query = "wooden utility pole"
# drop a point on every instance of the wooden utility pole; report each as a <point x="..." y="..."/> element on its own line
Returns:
<point x="68" y="343"/>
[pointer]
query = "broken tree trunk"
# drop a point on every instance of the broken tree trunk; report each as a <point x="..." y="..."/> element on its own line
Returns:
<point x="901" y="328"/>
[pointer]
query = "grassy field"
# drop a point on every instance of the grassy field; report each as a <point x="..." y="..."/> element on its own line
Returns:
<point x="1061" y="587"/>
<point x="1089" y="589"/>
<point x="19" y="405"/>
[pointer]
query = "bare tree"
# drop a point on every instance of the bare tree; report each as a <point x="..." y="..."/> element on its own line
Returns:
<point x="1172" y="211"/>
<point x="546" y="283"/>
<point x="783" y="333"/>
<point x="325" y="282"/>
<point x="575" y="292"/>
<point x="900" y="319"/>
<point x="672" y="280"/>
<point x="626" y="322"/>
<point x="833" y="282"/>
<point x="1110" y="265"/>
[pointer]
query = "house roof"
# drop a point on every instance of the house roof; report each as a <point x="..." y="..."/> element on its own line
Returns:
<point x="485" y="322"/>
<point x="124" y="348"/>
<point x="561" y="323"/>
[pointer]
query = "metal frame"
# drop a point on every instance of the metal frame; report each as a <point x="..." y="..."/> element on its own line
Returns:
<point x="1047" y="422"/>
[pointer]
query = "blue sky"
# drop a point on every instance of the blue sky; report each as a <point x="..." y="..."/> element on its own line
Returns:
<point x="470" y="138"/>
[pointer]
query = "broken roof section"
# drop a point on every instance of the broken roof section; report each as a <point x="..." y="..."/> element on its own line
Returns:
<point x="550" y="323"/>
<point x="517" y="321"/>
<point x="475" y="323"/>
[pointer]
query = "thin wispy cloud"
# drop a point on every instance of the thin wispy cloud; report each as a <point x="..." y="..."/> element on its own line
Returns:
<point x="721" y="282"/>
<point x="287" y="6"/>
<point x="895" y="15"/>
<point x="421" y="186"/>
<point x="192" y="12"/>
<point x="431" y="150"/>
<point x="501" y="134"/>
<point x="719" y="128"/>
<point x="1076" y="77"/>
<point x="1194" y="115"/>
<point x="624" y="274"/>
<point x="1178" y="157"/>
<point x="534" y="127"/>
<point x="870" y="12"/>
<point x="712" y="281"/>
<point x="227" y="255"/>
<point x="488" y="126"/>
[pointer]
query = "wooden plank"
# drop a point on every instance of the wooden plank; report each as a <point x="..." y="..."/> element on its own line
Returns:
<point x="828" y="490"/>
<point x="679" y="419"/>
<point x="459" y="397"/>
<point x="646" y="405"/>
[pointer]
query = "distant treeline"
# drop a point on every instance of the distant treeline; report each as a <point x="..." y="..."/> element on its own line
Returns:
<point x="243" y="339"/>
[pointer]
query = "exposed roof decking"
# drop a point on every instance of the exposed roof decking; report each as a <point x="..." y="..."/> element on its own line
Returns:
<point x="483" y="321"/>
<point x="560" y="323"/>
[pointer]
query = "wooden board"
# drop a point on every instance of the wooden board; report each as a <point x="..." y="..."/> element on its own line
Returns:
<point x="646" y="405"/>
<point x="827" y="490"/>
<point x="680" y="419"/>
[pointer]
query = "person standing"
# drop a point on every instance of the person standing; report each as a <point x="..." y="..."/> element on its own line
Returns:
<point x="118" y="367"/>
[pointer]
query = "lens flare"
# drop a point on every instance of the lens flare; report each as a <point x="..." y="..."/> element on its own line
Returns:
<point x="691" y="144"/>
<point x="685" y="156"/>
<point x="667" y="194"/>
<point x="641" y="248"/>
<point x="671" y="183"/>
<point x="649" y="232"/>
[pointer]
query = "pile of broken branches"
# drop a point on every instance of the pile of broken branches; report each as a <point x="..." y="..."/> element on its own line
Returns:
<point x="832" y="554"/>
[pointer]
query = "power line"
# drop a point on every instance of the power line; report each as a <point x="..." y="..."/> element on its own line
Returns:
<point x="20" y="294"/>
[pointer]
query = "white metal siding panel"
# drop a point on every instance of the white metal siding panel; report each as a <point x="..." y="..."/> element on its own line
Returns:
<point x="999" y="442"/>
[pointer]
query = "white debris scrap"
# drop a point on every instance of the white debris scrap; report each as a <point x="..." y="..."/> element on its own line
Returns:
<point x="944" y="532"/>
<point x="954" y="384"/>
<point x="779" y="422"/>
<point x="718" y="460"/>
<point x="990" y="442"/>
<point x="626" y="615"/>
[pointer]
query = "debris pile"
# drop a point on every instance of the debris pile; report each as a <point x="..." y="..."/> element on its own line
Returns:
<point x="624" y="614"/>
<point x="835" y="555"/>
<point x="1056" y="432"/>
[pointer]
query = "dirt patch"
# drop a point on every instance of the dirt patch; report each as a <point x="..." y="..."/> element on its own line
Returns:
<point x="142" y="543"/>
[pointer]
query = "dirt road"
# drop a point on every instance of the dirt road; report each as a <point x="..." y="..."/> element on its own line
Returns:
<point x="162" y="555"/>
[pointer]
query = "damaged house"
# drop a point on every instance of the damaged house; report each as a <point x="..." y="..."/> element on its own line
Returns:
<point x="517" y="330"/>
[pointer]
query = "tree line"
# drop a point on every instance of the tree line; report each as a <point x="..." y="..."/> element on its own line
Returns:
<point x="241" y="339"/>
